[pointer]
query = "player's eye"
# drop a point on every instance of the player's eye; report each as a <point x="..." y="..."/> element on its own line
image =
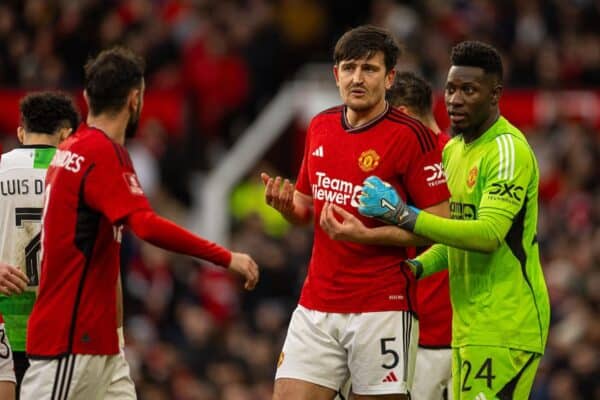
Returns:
<point x="469" y="89"/>
<point x="449" y="90"/>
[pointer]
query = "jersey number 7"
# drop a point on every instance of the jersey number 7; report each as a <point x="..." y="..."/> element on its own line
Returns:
<point x="32" y="249"/>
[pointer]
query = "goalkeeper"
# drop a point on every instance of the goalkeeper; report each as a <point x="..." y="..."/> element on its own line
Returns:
<point x="499" y="297"/>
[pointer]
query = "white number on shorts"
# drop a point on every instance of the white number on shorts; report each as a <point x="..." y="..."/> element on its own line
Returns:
<point x="385" y="350"/>
<point x="4" y="349"/>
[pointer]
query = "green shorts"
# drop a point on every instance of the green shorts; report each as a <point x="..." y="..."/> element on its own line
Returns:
<point x="487" y="373"/>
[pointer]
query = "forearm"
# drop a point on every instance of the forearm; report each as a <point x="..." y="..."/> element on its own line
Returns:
<point x="300" y="215"/>
<point x="434" y="259"/>
<point x="484" y="234"/>
<point x="393" y="236"/>
<point x="163" y="233"/>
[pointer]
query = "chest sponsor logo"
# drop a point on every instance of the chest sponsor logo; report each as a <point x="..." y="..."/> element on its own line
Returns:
<point x="335" y="190"/>
<point x="508" y="192"/>
<point x="133" y="183"/>
<point x="68" y="160"/>
<point x="319" y="152"/>
<point x="462" y="211"/>
<point x="436" y="174"/>
<point x="472" y="177"/>
<point x="368" y="160"/>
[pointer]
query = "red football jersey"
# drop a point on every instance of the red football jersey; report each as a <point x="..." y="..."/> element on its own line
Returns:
<point x="433" y="300"/>
<point x="345" y="277"/>
<point x="91" y="187"/>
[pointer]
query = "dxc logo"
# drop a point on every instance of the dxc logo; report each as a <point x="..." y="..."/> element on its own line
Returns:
<point x="437" y="171"/>
<point x="505" y="189"/>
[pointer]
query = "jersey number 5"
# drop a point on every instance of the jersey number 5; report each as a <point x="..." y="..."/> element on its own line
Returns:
<point x="32" y="249"/>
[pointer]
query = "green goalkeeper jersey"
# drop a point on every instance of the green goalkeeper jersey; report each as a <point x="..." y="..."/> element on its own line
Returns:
<point x="497" y="288"/>
<point x="22" y="175"/>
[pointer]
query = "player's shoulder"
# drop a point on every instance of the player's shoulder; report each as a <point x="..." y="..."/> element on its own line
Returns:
<point x="331" y="111"/>
<point x="412" y="130"/>
<point x="329" y="114"/>
<point x="15" y="158"/>
<point x="93" y="143"/>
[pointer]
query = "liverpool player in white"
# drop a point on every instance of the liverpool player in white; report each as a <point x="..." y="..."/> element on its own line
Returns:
<point x="355" y="318"/>
<point x="91" y="193"/>
<point x="46" y="119"/>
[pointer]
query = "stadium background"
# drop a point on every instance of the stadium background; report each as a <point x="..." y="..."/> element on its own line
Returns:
<point x="213" y="66"/>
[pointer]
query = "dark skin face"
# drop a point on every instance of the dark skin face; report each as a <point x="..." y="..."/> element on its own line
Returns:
<point x="471" y="98"/>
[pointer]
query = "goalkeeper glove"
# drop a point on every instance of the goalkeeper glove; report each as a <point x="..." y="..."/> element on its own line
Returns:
<point x="380" y="200"/>
<point x="415" y="266"/>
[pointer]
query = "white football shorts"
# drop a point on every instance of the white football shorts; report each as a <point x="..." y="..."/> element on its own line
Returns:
<point x="376" y="350"/>
<point x="79" y="377"/>
<point x="433" y="374"/>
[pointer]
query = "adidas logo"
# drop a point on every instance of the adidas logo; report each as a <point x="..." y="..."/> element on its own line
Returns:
<point x="318" y="152"/>
<point x="391" y="377"/>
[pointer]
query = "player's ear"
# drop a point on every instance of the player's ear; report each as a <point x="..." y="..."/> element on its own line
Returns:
<point x="389" y="78"/>
<point x="21" y="134"/>
<point x="134" y="99"/>
<point x="496" y="93"/>
<point x="335" y="74"/>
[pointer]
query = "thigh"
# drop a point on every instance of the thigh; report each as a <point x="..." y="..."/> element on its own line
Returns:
<point x="433" y="372"/>
<point x="493" y="372"/>
<point x="381" y="352"/>
<point x="295" y="389"/>
<point x="312" y="352"/>
<point x="7" y="390"/>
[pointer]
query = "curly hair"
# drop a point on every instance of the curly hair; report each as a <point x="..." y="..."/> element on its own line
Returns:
<point x="47" y="112"/>
<point x="110" y="77"/>
<point x="365" y="41"/>
<point x="411" y="91"/>
<point x="478" y="54"/>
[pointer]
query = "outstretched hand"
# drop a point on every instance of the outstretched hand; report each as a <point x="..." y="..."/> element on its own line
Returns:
<point x="12" y="280"/>
<point x="277" y="195"/>
<point x="245" y="266"/>
<point x="380" y="200"/>
<point x="349" y="228"/>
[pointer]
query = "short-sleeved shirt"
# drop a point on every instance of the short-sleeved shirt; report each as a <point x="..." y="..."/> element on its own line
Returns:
<point x="91" y="187"/>
<point x="433" y="300"/>
<point x="346" y="277"/>
<point x="498" y="298"/>
<point x="22" y="175"/>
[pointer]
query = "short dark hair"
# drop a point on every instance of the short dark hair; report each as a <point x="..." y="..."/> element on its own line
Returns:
<point x="365" y="41"/>
<point x="47" y="112"/>
<point x="110" y="77"/>
<point x="411" y="91"/>
<point x="472" y="53"/>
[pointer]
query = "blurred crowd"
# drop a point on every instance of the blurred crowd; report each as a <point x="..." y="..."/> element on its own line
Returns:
<point x="192" y="333"/>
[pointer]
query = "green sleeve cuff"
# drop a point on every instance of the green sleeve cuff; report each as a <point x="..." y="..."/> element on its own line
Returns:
<point x="433" y="260"/>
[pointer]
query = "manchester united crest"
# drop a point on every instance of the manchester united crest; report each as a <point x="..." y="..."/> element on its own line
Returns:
<point x="368" y="160"/>
<point x="472" y="178"/>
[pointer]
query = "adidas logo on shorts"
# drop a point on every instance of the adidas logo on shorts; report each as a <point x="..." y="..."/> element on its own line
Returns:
<point x="391" y="377"/>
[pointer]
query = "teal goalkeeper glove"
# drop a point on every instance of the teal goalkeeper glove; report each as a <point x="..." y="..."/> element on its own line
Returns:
<point x="380" y="200"/>
<point x="415" y="266"/>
